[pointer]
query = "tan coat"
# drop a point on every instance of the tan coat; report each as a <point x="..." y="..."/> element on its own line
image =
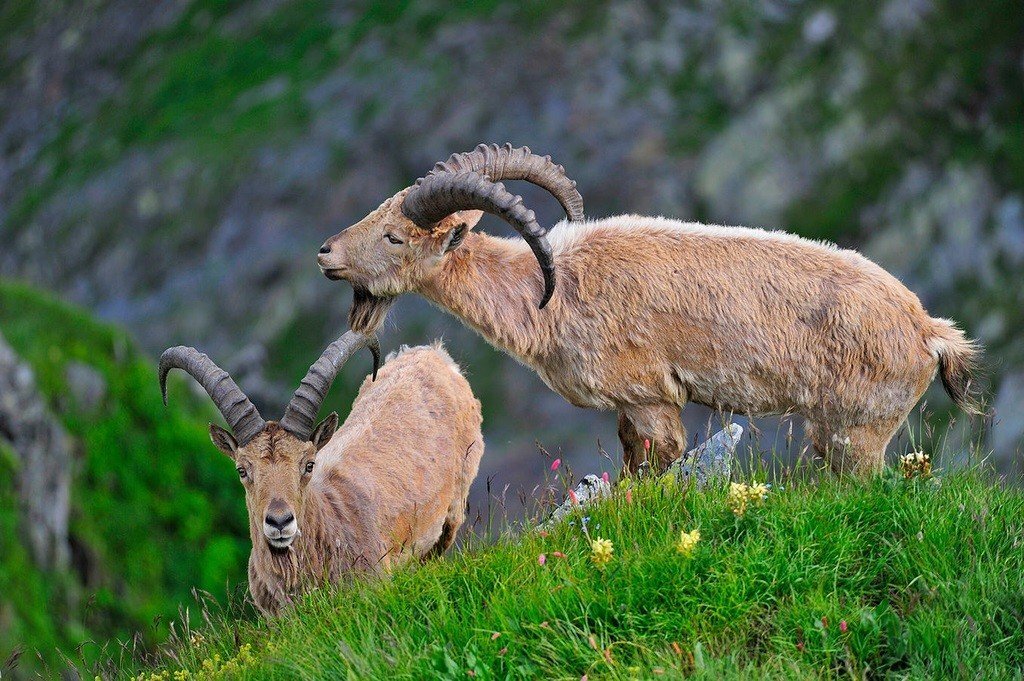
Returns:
<point x="651" y="313"/>
<point x="390" y="485"/>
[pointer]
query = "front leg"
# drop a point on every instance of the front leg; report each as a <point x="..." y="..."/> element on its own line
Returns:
<point x="659" y="425"/>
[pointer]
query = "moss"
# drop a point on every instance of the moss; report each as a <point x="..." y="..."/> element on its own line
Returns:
<point x="156" y="511"/>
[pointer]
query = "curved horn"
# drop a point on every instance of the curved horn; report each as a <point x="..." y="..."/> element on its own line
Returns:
<point x="238" y="411"/>
<point x="508" y="163"/>
<point x="300" y="417"/>
<point x="437" y="196"/>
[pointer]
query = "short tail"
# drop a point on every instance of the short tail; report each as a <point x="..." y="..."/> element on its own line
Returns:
<point x="958" y="362"/>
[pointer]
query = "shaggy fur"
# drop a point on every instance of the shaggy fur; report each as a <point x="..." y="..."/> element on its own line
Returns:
<point x="651" y="313"/>
<point x="390" y="484"/>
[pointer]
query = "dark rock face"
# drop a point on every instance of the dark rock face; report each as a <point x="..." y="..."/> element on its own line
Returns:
<point x="43" y="452"/>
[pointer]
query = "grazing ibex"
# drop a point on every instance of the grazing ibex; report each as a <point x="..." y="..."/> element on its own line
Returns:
<point x="390" y="484"/>
<point x="652" y="313"/>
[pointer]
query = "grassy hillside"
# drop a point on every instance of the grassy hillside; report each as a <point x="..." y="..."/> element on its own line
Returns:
<point x="916" y="578"/>
<point x="155" y="512"/>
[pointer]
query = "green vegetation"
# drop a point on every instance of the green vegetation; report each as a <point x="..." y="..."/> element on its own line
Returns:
<point x="917" y="578"/>
<point x="155" y="513"/>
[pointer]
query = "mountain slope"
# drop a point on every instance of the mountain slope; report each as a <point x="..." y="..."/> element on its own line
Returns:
<point x="916" y="578"/>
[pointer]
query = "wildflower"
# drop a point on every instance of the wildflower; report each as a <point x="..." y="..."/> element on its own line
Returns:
<point x="916" y="464"/>
<point x="647" y="445"/>
<point x="842" y="626"/>
<point x="555" y="464"/>
<point x="629" y="496"/>
<point x="541" y="559"/>
<point x="688" y="542"/>
<point x="604" y="476"/>
<point x="824" y="622"/>
<point x="742" y="496"/>
<point x="558" y="554"/>
<point x="495" y="635"/>
<point x="601" y="551"/>
<point x="573" y="497"/>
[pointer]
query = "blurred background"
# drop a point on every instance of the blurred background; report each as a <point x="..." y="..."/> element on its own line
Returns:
<point x="168" y="169"/>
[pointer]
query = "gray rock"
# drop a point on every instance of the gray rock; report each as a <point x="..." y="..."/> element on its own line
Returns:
<point x="711" y="461"/>
<point x="42" y="450"/>
<point x="87" y="386"/>
<point x="590" y="489"/>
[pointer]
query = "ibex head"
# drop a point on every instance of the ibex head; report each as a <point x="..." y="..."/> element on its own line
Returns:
<point x="275" y="460"/>
<point x="407" y="237"/>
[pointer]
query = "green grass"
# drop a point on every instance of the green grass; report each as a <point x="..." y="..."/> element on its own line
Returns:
<point x="155" y="512"/>
<point x="913" y="579"/>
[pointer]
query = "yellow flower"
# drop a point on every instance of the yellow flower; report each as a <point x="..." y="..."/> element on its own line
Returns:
<point x="916" y="464"/>
<point x="688" y="542"/>
<point x="601" y="551"/>
<point x="742" y="496"/>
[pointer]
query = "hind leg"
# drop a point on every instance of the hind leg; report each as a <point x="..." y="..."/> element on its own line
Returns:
<point x="450" y="528"/>
<point x="857" y="450"/>
<point x="660" y="424"/>
<point x="444" y="542"/>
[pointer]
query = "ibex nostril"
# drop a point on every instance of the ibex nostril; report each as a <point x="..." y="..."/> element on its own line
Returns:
<point x="325" y="248"/>
<point x="281" y="521"/>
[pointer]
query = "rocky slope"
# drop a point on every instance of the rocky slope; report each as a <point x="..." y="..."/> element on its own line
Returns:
<point x="174" y="165"/>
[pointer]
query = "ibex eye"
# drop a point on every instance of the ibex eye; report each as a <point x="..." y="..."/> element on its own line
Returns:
<point x="309" y="467"/>
<point x="241" y="472"/>
<point x="393" y="239"/>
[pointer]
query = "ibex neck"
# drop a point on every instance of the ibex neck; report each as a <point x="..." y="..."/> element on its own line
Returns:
<point x="494" y="285"/>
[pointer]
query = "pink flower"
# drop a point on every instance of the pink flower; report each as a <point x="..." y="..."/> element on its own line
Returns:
<point x="573" y="497"/>
<point x="842" y="626"/>
<point x="541" y="559"/>
<point x="555" y="464"/>
<point x="629" y="496"/>
<point x="495" y="635"/>
<point x="647" y="445"/>
<point x="604" y="476"/>
<point x="558" y="554"/>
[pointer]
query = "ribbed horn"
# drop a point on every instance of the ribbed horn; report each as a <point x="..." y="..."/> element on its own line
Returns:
<point x="437" y="196"/>
<point x="517" y="163"/>
<point x="238" y="411"/>
<point x="300" y="417"/>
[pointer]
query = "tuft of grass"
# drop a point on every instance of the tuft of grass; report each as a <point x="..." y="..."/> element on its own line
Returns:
<point x="913" y="578"/>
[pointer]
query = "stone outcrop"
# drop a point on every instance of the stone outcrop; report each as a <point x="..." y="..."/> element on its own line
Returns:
<point x="42" y="451"/>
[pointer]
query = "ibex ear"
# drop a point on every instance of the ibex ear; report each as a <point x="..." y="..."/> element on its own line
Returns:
<point x="223" y="440"/>
<point x="455" y="227"/>
<point x="453" y="239"/>
<point x="324" y="431"/>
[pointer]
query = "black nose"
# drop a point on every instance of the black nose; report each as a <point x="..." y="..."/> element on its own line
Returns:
<point x="280" y="521"/>
<point x="326" y="248"/>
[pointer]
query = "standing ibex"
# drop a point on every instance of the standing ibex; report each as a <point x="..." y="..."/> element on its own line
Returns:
<point x="652" y="313"/>
<point x="391" y="483"/>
